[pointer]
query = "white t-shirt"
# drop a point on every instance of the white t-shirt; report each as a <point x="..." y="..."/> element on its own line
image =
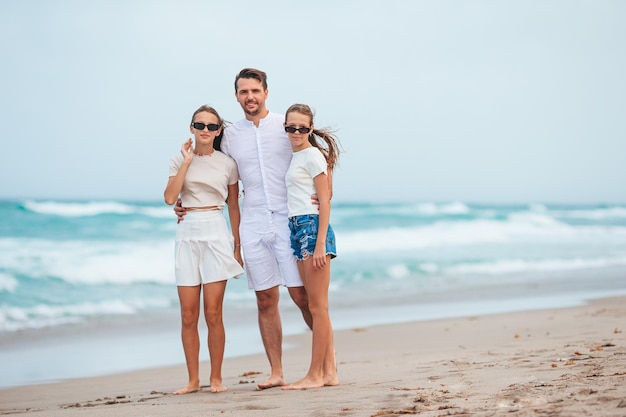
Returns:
<point x="305" y="165"/>
<point x="262" y="155"/>
<point x="207" y="179"/>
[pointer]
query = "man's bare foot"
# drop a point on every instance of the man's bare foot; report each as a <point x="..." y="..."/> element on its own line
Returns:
<point x="304" y="383"/>
<point x="218" y="388"/>
<point x="188" y="389"/>
<point x="271" y="382"/>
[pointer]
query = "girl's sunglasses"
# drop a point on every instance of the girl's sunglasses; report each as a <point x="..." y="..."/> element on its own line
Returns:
<point x="200" y="126"/>
<point x="301" y="130"/>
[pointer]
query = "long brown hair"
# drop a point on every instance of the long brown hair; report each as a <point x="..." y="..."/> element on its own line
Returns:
<point x="328" y="145"/>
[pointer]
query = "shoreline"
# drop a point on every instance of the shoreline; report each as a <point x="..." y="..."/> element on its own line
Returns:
<point x="152" y="339"/>
<point x="569" y="360"/>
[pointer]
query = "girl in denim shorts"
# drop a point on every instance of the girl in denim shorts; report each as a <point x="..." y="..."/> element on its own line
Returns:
<point x="315" y="154"/>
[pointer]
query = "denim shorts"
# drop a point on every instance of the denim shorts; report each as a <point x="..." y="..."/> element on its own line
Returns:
<point x="304" y="236"/>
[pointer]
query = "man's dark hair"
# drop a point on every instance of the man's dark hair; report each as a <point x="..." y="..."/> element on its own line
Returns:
<point x="252" y="73"/>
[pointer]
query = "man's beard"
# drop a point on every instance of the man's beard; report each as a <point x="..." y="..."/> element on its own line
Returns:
<point x="249" y="112"/>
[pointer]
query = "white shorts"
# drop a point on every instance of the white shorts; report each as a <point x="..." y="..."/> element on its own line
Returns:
<point x="267" y="252"/>
<point x="204" y="250"/>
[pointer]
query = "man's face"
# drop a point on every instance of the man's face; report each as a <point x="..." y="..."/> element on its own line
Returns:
<point x="251" y="96"/>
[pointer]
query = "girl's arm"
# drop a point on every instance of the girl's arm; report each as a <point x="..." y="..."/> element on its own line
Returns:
<point x="323" y="194"/>
<point x="330" y="185"/>
<point x="314" y="199"/>
<point x="175" y="183"/>
<point x="232" y="200"/>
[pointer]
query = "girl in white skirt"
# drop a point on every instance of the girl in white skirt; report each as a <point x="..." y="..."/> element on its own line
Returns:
<point x="206" y="254"/>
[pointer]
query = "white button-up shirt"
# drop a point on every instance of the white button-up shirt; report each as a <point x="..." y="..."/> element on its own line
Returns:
<point x="263" y="155"/>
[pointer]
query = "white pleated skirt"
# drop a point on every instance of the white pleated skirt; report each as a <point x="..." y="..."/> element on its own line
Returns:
<point x="204" y="249"/>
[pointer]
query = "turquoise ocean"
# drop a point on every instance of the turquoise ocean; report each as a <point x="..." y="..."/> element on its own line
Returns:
<point x="87" y="287"/>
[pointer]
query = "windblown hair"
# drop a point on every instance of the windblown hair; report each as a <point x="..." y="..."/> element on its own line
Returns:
<point x="323" y="139"/>
<point x="206" y="108"/>
<point x="254" y="74"/>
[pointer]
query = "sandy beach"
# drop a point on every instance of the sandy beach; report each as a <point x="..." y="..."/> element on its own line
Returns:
<point x="555" y="362"/>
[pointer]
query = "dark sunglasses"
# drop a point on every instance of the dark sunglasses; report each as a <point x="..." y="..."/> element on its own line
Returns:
<point x="301" y="130"/>
<point x="200" y="126"/>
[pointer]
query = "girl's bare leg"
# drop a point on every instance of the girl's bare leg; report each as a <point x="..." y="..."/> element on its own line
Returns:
<point x="213" y="301"/>
<point x="322" y="370"/>
<point x="189" y="311"/>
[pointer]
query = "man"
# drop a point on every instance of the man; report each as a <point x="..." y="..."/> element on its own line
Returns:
<point x="261" y="148"/>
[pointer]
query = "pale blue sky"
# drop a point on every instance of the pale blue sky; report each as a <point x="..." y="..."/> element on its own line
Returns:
<point x="476" y="101"/>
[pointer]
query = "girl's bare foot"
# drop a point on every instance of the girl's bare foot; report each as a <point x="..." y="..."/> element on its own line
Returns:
<point x="330" y="376"/>
<point x="191" y="387"/>
<point x="331" y="381"/>
<point x="304" y="383"/>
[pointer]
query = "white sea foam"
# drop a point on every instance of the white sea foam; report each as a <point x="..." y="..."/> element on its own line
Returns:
<point x="520" y="227"/>
<point x="432" y="209"/>
<point x="516" y="266"/>
<point x="90" y="262"/>
<point x="429" y="267"/>
<point x="398" y="271"/>
<point x="164" y="212"/>
<point x="8" y="283"/>
<point x="592" y="214"/>
<point x="9" y="325"/>
<point x="95" y="208"/>
<point x="17" y="318"/>
<point x="426" y="209"/>
<point x="77" y="209"/>
<point x="604" y="213"/>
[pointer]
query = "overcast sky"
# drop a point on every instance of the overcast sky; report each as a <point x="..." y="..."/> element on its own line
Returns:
<point x="474" y="101"/>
